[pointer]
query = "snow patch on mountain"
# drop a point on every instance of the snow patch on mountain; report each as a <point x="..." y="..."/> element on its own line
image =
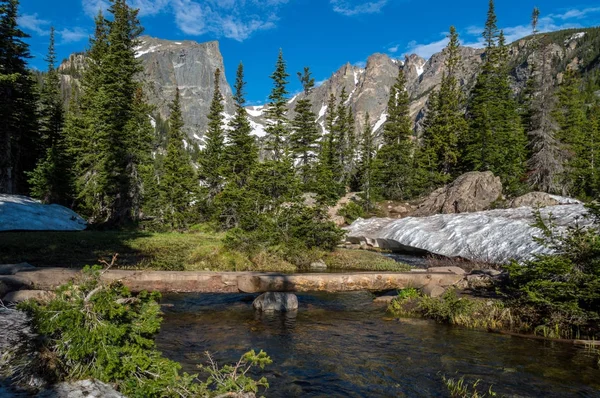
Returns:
<point x="575" y="36"/>
<point x="257" y="129"/>
<point x="255" y="111"/>
<point x="139" y="51"/>
<point x="380" y="122"/>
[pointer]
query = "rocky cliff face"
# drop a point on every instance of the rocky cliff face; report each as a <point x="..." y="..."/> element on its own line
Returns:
<point x="369" y="87"/>
<point x="190" y="66"/>
<point x="166" y="65"/>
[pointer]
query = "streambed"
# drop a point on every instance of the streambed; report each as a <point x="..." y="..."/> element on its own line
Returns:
<point x="341" y="344"/>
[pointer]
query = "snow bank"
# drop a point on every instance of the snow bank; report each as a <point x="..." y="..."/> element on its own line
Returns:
<point x="495" y="235"/>
<point x="23" y="213"/>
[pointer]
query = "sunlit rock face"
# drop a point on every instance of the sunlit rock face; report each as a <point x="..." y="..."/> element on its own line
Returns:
<point x="495" y="236"/>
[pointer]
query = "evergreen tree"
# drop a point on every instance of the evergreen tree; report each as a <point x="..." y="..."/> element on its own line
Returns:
<point x="277" y="128"/>
<point x="213" y="156"/>
<point x="574" y="134"/>
<point x="546" y="159"/>
<point x="19" y="138"/>
<point x="178" y="184"/>
<point x="393" y="165"/>
<point x="241" y="153"/>
<point x="104" y="134"/>
<point x="50" y="181"/>
<point x="496" y="140"/>
<point x="446" y="124"/>
<point x="305" y="134"/>
<point x="367" y="154"/>
<point x="328" y="187"/>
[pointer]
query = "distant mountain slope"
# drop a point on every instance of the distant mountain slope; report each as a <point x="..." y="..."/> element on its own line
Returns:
<point x="190" y="66"/>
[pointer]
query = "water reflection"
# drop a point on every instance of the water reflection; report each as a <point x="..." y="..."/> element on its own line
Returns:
<point x="341" y="345"/>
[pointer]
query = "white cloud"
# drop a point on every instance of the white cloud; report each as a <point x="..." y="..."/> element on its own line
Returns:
<point x="73" y="35"/>
<point x="471" y="37"/>
<point x="33" y="23"/>
<point x="350" y="8"/>
<point x="91" y="7"/>
<point x="575" y="13"/>
<point x="233" y="19"/>
<point x="426" y="50"/>
<point x="393" y="49"/>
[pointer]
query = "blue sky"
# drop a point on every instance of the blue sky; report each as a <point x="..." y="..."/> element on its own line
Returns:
<point x="322" y="34"/>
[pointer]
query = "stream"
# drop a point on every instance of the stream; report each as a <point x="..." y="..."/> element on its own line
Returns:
<point x="343" y="345"/>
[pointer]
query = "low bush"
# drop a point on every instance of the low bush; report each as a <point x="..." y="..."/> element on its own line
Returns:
<point x="351" y="212"/>
<point x="97" y="330"/>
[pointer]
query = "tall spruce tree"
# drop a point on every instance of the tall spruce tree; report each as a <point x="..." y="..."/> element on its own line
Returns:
<point x="393" y="164"/>
<point x="546" y="159"/>
<point x="446" y="125"/>
<point x="19" y="138"/>
<point x="51" y="180"/>
<point x="305" y="134"/>
<point x="496" y="140"/>
<point x="178" y="185"/>
<point x="367" y="154"/>
<point x="212" y="161"/>
<point x="104" y="136"/>
<point x="277" y="123"/>
<point x="241" y="152"/>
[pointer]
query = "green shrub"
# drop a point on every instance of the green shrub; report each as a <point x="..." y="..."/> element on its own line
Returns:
<point x="96" y="330"/>
<point x="352" y="211"/>
<point x="561" y="292"/>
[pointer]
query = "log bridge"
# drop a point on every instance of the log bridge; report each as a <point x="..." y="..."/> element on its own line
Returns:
<point x="236" y="282"/>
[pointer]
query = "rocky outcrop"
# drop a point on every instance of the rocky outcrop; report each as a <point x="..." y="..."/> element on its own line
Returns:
<point x="494" y="236"/>
<point x="541" y="199"/>
<point x="167" y="65"/>
<point x="81" y="389"/>
<point x="333" y="211"/>
<point x="474" y="191"/>
<point x="20" y="213"/>
<point x="276" y="301"/>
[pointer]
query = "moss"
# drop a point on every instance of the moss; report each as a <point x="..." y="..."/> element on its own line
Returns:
<point x="362" y="260"/>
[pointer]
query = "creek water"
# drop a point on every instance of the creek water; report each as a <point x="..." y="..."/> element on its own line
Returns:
<point x="343" y="345"/>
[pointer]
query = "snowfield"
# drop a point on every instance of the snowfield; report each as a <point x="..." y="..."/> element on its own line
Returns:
<point x="18" y="213"/>
<point x="496" y="236"/>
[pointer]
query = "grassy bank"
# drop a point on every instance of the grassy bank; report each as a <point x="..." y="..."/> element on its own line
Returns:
<point x="169" y="251"/>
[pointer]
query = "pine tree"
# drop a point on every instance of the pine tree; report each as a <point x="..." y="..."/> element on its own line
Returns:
<point x="496" y="140"/>
<point x="19" y="138"/>
<point x="305" y="134"/>
<point x="393" y="164"/>
<point x="367" y="154"/>
<point x="277" y="128"/>
<point x="241" y="153"/>
<point x="546" y="159"/>
<point x="178" y="184"/>
<point x="570" y="115"/>
<point x="51" y="180"/>
<point x="212" y="161"/>
<point x="328" y="186"/>
<point x="103" y="134"/>
<point x="445" y="125"/>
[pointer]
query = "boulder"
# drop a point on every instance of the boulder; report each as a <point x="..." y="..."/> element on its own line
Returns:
<point x="24" y="295"/>
<point x="471" y="192"/>
<point x="332" y="212"/>
<point x="387" y="297"/>
<point x="81" y="389"/>
<point x="433" y="290"/>
<point x="318" y="265"/>
<point x="11" y="269"/>
<point x="276" y="301"/>
<point x="534" y="199"/>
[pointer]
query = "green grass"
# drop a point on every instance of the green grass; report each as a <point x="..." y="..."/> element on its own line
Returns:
<point x="193" y="251"/>
<point x="362" y="260"/>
